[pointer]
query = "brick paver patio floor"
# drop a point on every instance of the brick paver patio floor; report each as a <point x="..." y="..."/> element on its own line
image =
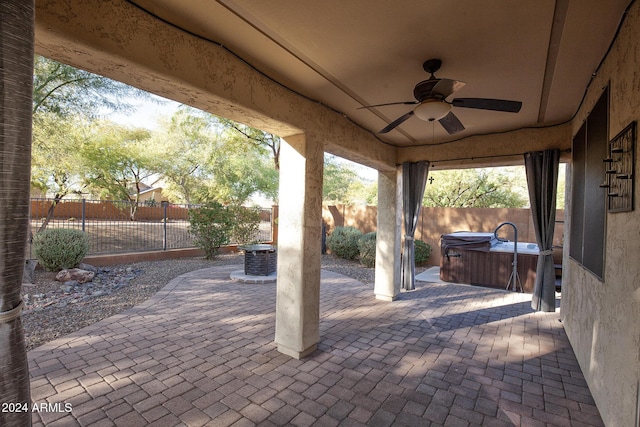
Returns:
<point x="201" y="352"/>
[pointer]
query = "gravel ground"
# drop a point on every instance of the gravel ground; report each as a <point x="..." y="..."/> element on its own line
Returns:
<point x="52" y="312"/>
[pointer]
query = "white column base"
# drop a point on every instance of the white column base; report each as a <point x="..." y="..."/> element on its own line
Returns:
<point x="388" y="298"/>
<point x="297" y="354"/>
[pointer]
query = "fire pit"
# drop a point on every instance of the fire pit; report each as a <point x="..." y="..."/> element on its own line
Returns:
<point x="259" y="260"/>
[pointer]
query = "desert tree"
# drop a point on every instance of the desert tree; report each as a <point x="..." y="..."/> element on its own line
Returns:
<point x="185" y="146"/>
<point x="65" y="100"/>
<point x="57" y="167"/>
<point x="118" y="160"/>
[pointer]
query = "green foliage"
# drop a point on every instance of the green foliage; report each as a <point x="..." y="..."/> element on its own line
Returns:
<point x="246" y="223"/>
<point x="56" y="165"/>
<point x="343" y="242"/>
<point x="203" y="159"/>
<point x="60" y="248"/>
<point x="367" y="249"/>
<point x="185" y="149"/>
<point x="212" y="226"/>
<point x="343" y="184"/>
<point x="240" y="173"/>
<point x="422" y="251"/>
<point x="479" y="188"/>
<point x="63" y="90"/>
<point x="118" y="161"/>
<point x="256" y="138"/>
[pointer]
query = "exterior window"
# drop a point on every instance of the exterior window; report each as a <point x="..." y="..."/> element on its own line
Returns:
<point x="588" y="199"/>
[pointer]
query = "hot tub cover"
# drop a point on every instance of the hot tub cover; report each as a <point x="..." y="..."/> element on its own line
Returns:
<point x="470" y="241"/>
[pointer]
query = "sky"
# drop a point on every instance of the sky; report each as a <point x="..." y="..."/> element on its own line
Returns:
<point x="148" y="113"/>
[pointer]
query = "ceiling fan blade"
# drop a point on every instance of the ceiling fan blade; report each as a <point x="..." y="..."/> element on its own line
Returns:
<point x="488" y="104"/>
<point x="445" y="87"/>
<point x="389" y="103"/>
<point x="451" y="123"/>
<point x="396" y="122"/>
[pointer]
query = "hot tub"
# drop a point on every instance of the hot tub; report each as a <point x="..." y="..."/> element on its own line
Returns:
<point x="481" y="259"/>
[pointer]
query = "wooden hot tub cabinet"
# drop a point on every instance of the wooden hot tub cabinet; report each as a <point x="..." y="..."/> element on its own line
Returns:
<point x="490" y="267"/>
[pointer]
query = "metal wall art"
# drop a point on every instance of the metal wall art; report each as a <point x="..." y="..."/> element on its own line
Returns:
<point x="620" y="170"/>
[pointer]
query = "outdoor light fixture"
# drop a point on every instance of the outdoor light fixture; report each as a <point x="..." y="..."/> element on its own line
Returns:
<point x="432" y="109"/>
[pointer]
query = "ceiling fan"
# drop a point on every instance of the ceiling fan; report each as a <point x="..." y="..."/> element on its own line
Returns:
<point x="432" y="105"/>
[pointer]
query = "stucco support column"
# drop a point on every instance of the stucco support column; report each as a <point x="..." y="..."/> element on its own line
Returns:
<point x="299" y="246"/>
<point x="387" y="274"/>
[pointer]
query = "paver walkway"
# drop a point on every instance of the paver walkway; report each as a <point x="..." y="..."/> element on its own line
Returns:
<point x="201" y="352"/>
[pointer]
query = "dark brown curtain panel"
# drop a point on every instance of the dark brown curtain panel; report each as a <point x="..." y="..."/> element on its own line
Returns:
<point x="414" y="178"/>
<point x="542" y="181"/>
<point x="16" y="83"/>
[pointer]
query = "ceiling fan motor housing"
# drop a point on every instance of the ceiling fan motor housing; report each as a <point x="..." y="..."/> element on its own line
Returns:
<point x="423" y="90"/>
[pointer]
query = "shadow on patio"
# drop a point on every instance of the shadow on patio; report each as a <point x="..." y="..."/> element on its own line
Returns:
<point x="201" y="352"/>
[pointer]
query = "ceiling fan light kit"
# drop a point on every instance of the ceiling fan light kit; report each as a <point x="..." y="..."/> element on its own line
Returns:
<point x="432" y="109"/>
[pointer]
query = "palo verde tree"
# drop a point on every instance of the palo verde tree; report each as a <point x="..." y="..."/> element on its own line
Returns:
<point x="254" y="137"/>
<point x="185" y="146"/>
<point x="63" y="90"/>
<point x="118" y="160"/>
<point x="240" y="173"/>
<point x="56" y="165"/>
<point x="65" y="101"/>
<point x="343" y="184"/>
<point x="203" y="162"/>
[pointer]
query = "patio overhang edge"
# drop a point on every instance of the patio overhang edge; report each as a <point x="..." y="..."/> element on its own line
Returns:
<point x="122" y="42"/>
<point x="497" y="149"/>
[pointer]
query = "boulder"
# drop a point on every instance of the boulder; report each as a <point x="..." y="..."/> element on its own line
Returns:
<point x="87" y="267"/>
<point x="77" y="274"/>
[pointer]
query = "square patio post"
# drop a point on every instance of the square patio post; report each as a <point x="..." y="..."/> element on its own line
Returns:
<point x="387" y="273"/>
<point x="299" y="246"/>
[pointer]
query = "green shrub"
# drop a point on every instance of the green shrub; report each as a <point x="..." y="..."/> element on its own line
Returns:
<point x="246" y="224"/>
<point x="367" y="249"/>
<point x="60" y="248"/>
<point x="422" y="251"/>
<point x="211" y="225"/>
<point x="343" y="242"/>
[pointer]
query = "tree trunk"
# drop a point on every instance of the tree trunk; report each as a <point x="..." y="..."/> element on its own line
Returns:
<point x="50" y="212"/>
<point x="16" y="91"/>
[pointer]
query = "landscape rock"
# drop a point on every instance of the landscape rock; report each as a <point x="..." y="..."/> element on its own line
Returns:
<point x="77" y="274"/>
<point x="88" y="267"/>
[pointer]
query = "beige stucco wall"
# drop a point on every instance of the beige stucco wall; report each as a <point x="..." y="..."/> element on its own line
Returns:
<point x="602" y="319"/>
<point x="491" y="150"/>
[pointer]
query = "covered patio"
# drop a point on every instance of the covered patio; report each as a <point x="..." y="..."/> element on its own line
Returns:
<point x="338" y="77"/>
<point x="201" y="352"/>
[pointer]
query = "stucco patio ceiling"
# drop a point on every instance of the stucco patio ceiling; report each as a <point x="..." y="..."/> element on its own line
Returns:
<point x="350" y="54"/>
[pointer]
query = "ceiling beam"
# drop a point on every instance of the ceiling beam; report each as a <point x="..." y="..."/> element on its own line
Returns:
<point x="555" y="38"/>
